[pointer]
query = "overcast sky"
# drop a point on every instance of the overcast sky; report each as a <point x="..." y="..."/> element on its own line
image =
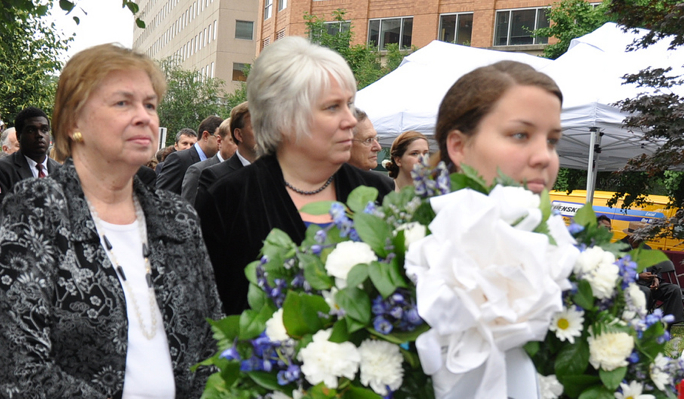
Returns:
<point x="105" y="22"/>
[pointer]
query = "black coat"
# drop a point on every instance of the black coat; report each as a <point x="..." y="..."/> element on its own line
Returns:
<point x="241" y="208"/>
<point x="14" y="168"/>
<point x="175" y="165"/>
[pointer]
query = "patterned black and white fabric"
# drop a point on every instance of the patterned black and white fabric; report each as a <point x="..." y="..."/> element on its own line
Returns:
<point x="63" y="323"/>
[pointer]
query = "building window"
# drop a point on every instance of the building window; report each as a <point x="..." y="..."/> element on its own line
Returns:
<point x="244" y="30"/>
<point x="282" y="4"/>
<point x="456" y="28"/>
<point x="382" y="32"/>
<point x="280" y="34"/>
<point x="214" y="29"/>
<point x="515" y="27"/>
<point x="336" y="27"/>
<point x="268" y="8"/>
<point x="266" y="42"/>
<point x="239" y="72"/>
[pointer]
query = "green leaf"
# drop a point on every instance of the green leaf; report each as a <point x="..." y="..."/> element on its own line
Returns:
<point x="373" y="231"/>
<point x="357" y="275"/>
<point x="76" y="19"/>
<point x="253" y="323"/>
<point x="320" y="391"/>
<point x="359" y="198"/>
<point x="215" y="388"/>
<point x="230" y="372"/>
<point x="339" y="333"/>
<point x="585" y="216"/>
<point x="250" y="272"/>
<point x="386" y="277"/>
<point x="612" y="379"/>
<point x="468" y="178"/>
<point x="140" y="23"/>
<point x="532" y="348"/>
<point x="584" y="297"/>
<point x="314" y="271"/>
<point x="597" y="392"/>
<point x="225" y="330"/>
<point x="66" y="5"/>
<point x="353" y="325"/>
<point x="132" y="6"/>
<point x="647" y="257"/>
<point x="279" y="239"/>
<point x="317" y="208"/>
<point x="400" y="337"/>
<point x="256" y="297"/>
<point x="573" y="359"/>
<point x="355" y="303"/>
<point x="266" y="380"/>
<point x="573" y="385"/>
<point x="301" y="313"/>
<point x="545" y="205"/>
<point x="354" y="392"/>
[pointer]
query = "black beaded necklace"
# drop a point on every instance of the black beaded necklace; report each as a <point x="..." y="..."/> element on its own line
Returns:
<point x="316" y="191"/>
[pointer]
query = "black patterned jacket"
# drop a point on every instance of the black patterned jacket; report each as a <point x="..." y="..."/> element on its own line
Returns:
<point x="63" y="325"/>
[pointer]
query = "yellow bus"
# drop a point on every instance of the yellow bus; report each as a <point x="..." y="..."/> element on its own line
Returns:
<point x="620" y="218"/>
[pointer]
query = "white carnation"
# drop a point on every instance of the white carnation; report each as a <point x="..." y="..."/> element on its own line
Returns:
<point x="275" y="329"/>
<point x="658" y="371"/>
<point x="381" y="366"/>
<point x="549" y="386"/>
<point x="610" y="350"/>
<point x="412" y="232"/>
<point x="636" y="303"/>
<point x="325" y="361"/>
<point x="345" y="256"/>
<point x="598" y="268"/>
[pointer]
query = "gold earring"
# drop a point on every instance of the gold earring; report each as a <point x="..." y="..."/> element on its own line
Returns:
<point x="77" y="137"/>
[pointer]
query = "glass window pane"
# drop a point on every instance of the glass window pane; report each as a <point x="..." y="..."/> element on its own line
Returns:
<point x="389" y="32"/>
<point x="447" y="27"/>
<point x="238" y="72"/>
<point x="522" y="25"/>
<point x="465" y="29"/>
<point x="542" y="22"/>
<point x="407" y="33"/>
<point x="373" y="32"/>
<point x="501" y="31"/>
<point x="244" y="30"/>
<point x="333" y="28"/>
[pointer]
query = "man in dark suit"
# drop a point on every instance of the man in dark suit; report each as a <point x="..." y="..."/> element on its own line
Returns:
<point x="365" y="148"/>
<point x="226" y="150"/>
<point x="33" y="133"/>
<point x="176" y="164"/>
<point x="243" y="136"/>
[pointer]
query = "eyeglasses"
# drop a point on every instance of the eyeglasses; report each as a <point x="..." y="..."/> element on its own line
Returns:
<point x="368" y="142"/>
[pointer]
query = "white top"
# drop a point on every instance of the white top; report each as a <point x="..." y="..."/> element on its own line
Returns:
<point x="149" y="373"/>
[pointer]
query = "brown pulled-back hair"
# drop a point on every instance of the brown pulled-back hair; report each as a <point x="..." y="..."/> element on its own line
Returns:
<point x="399" y="147"/>
<point x="474" y="95"/>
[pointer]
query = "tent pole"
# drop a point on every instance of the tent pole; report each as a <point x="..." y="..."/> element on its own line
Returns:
<point x="594" y="151"/>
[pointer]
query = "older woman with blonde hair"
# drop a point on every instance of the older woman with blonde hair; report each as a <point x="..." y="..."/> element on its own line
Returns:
<point x="301" y="99"/>
<point x="105" y="284"/>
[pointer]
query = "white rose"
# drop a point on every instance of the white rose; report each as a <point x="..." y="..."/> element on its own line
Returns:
<point x="610" y="350"/>
<point x="275" y="329"/>
<point x="519" y="206"/>
<point x="345" y="256"/>
<point x="325" y="361"/>
<point x="412" y="232"/>
<point x="381" y="366"/>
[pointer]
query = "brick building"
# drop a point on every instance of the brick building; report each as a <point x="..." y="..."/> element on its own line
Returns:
<point x="214" y="37"/>
<point x="496" y="24"/>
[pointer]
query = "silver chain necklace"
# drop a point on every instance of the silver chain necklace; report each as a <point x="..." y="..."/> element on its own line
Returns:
<point x="140" y="217"/>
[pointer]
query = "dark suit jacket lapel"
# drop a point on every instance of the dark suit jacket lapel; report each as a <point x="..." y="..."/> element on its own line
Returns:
<point x="23" y="168"/>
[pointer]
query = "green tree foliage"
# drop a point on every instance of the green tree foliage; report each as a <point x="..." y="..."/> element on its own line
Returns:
<point x="364" y="60"/>
<point x="29" y="61"/>
<point x="189" y="99"/>
<point x="571" y="19"/>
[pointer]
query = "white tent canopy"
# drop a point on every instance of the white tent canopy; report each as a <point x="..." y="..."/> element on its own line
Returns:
<point x="589" y="74"/>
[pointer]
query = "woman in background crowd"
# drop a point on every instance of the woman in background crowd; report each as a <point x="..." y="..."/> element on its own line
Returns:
<point x="406" y="151"/>
<point x="105" y="284"/>
<point x="506" y="117"/>
<point x="301" y="99"/>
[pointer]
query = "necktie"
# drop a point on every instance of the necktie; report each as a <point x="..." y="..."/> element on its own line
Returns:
<point x="41" y="173"/>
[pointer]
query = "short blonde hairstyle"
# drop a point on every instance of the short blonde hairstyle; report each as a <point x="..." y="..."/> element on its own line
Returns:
<point x="83" y="74"/>
<point x="285" y="83"/>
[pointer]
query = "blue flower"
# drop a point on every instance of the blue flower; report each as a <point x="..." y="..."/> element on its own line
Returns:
<point x="634" y="357"/>
<point x="370" y="208"/>
<point x="396" y="312"/>
<point x="413" y="317"/>
<point x="289" y="375"/>
<point x="575" y="228"/>
<point x="230" y="354"/>
<point x="316" y="249"/>
<point x="382" y="326"/>
<point x="320" y="236"/>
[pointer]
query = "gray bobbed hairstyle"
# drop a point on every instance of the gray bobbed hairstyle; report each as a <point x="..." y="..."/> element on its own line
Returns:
<point x="285" y="83"/>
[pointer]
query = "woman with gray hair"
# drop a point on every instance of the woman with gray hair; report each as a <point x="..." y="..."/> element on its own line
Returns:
<point x="301" y="103"/>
